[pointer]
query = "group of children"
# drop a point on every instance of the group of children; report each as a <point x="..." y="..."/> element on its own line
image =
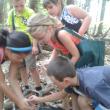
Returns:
<point x="87" y="85"/>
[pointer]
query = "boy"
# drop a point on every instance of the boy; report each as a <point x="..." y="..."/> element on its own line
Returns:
<point x="93" y="82"/>
<point x="17" y="20"/>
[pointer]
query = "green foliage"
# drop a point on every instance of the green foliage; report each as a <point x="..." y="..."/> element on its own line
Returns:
<point x="36" y="5"/>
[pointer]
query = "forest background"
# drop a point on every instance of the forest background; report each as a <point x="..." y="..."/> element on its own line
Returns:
<point x="98" y="9"/>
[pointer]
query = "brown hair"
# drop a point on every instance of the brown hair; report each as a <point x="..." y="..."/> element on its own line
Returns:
<point x="55" y="2"/>
<point x="61" y="67"/>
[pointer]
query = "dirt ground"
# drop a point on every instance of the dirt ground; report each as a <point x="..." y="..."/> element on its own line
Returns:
<point x="42" y="60"/>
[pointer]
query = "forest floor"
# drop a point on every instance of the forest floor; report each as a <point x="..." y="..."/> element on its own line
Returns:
<point x="42" y="60"/>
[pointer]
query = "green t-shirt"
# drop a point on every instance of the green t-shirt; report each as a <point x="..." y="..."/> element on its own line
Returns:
<point x="21" y="19"/>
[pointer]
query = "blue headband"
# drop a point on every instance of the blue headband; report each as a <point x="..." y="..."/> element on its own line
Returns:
<point x="21" y="49"/>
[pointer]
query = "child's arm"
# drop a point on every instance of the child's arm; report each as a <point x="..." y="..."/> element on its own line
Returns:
<point x="15" y="87"/>
<point x="48" y="98"/>
<point x="34" y="47"/>
<point x="65" y="39"/>
<point x="53" y="55"/>
<point x="81" y="14"/>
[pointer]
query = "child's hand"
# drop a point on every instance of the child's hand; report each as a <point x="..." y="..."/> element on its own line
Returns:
<point x="25" y="105"/>
<point x="33" y="99"/>
<point x="35" y="50"/>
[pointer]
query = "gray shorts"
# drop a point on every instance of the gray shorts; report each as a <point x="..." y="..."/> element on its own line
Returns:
<point x="30" y="61"/>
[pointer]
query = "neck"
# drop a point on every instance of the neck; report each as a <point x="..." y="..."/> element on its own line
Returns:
<point x="75" y="81"/>
<point x="19" y="13"/>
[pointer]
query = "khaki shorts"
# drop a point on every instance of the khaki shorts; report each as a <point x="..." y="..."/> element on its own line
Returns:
<point x="30" y="61"/>
<point x="22" y="64"/>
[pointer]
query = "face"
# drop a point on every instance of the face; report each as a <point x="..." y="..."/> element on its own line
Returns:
<point x="38" y="35"/>
<point x="60" y="85"/>
<point x="19" y="5"/>
<point x="42" y="36"/>
<point x="53" y="9"/>
<point x="15" y="57"/>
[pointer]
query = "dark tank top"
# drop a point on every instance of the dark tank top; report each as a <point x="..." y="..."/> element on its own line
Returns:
<point x="69" y="20"/>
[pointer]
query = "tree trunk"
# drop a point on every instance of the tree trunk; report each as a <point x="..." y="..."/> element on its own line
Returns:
<point x="100" y="27"/>
<point x="70" y="2"/>
<point x="1" y="11"/>
<point x="87" y="5"/>
<point x="33" y="4"/>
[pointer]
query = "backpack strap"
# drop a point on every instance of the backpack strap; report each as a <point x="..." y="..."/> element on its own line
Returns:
<point x="56" y="36"/>
<point x="69" y="31"/>
<point x="74" y="33"/>
<point x="13" y="21"/>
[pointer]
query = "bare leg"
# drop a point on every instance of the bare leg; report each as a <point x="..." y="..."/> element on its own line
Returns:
<point x="31" y="67"/>
<point x="35" y="76"/>
<point x="1" y="100"/>
<point x="1" y="91"/>
<point x="84" y="103"/>
<point x="24" y="76"/>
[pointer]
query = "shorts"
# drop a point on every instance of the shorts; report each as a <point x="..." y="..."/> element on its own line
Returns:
<point x="30" y="61"/>
<point x="22" y="64"/>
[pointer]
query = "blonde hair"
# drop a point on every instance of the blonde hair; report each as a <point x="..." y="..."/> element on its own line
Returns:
<point x="40" y="22"/>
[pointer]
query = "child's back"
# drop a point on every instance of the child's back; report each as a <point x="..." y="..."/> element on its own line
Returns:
<point x="95" y="83"/>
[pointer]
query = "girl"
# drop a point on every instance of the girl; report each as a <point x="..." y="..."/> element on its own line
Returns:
<point x="13" y="47"/>
<point x="71" y="16"/>
<point x="45" y="28"/>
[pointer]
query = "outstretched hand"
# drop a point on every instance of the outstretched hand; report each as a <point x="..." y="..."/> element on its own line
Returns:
<point x="33" y="99"/>
<point x="25" y="105"/>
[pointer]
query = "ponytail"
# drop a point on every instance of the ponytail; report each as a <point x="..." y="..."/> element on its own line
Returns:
<point x="3" y="36"/>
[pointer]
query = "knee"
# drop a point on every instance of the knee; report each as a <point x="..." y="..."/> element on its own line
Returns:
<point x="33" y="71"/>
<point x="2" y="80"/>
<point x="82" y="102"/>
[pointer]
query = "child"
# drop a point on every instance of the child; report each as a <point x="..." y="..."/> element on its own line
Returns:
<point x="13" y="47"/>
<point x="46" y="29"/>
<point x="71" y="16"/>
<point x="93" y="82"/>
<point x="20" y="13"/>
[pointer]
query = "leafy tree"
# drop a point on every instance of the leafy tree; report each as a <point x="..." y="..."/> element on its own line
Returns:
<point x="33" y="4"/>
<point x="87" y="5"/>
<point x="1" y="11"/>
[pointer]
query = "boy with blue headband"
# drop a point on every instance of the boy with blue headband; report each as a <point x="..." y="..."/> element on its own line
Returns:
<point x="14" y="47"/>
<point x="17" y="20"/>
